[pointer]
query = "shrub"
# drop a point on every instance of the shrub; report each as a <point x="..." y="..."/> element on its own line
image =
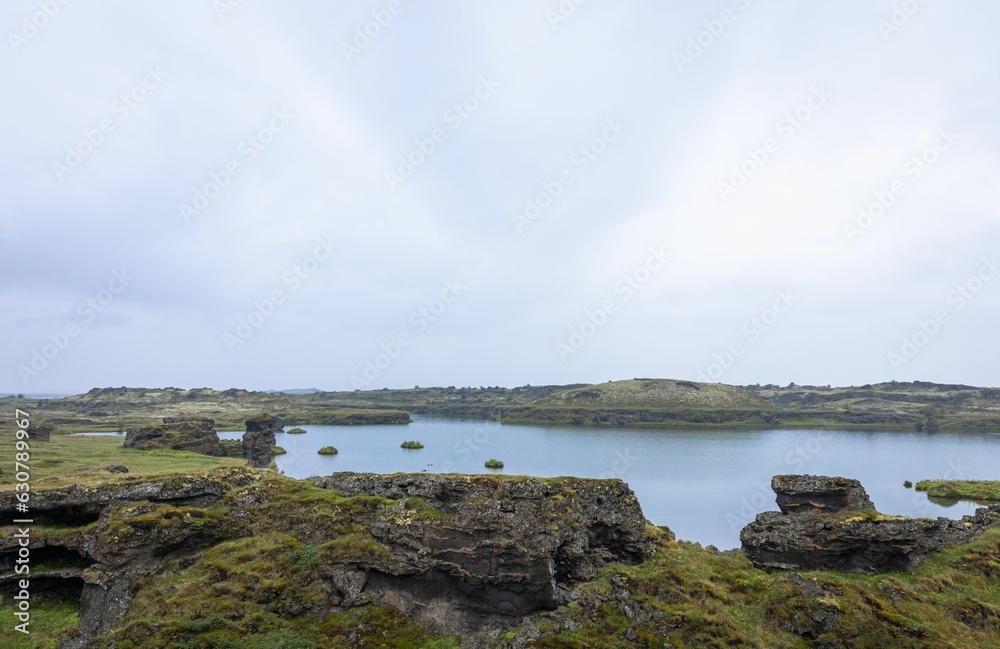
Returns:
<point x="494" y="464"/>
<point x="328" y="450"/>
<point x="411" y="444"/>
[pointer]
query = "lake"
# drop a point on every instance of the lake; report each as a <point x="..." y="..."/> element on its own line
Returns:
<point x="705" y="485"/>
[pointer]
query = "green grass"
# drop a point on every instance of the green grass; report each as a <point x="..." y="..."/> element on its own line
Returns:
<point x="689" y="597"/>
<point x="53" y="463"/>
<point x="974" y="490"/>
<point x="328" y="450"/>
<point x="296" y="431"/>
<point x="413" y="444"/>
<point x="494" y="464"/>
<point x="48" y="622"/>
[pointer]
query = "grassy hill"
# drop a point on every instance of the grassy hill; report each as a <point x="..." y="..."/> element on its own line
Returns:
<point x="656" y="393"/>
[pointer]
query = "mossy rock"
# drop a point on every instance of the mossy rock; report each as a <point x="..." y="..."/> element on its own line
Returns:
<point x="494" y="464"/>
<point x="411" y="445"/>
<point x="328" y="450"/>
<point x="296" y="431"/>
<point x="277" y="450"/>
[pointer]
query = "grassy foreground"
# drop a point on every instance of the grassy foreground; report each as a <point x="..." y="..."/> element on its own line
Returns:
<point x="67" y="460"/>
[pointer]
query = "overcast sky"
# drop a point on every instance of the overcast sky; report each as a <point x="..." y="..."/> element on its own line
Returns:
<point x="368" y="194"/>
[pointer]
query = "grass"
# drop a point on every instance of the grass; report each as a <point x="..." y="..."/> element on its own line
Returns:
<point x="53" y="464"/>
<point x="277" y="450"/>
<point x="983" y="491"/>
<point x="328" y="450"/>
<point x="411" y="445"/>
<point x="49" y="620"/>
<point x="686" y="596"/>
<point x="296" y="431"/>
<point x="494" y="464"/>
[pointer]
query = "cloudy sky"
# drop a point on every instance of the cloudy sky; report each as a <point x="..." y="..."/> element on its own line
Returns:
<point x="397" y="193"/>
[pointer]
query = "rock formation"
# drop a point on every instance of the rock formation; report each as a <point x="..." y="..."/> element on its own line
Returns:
<point x="802" y="493"/>
<point x="502" y="549"/>
<point x="195" y="435"/>
<point x="456" y="553"/>
<point x="259" y="440"/>
<point x="830" y="524"/>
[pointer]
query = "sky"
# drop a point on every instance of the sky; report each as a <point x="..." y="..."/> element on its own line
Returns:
<point x="394" y="193"/>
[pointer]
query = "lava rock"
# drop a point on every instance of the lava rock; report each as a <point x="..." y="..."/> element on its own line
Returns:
<point x="259" y="439"/>
<point x="195" y="435"/>
<point x="803" y="493"/>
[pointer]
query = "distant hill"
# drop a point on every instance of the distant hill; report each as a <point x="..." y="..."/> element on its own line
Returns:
<point x="656" y="393"/>
<point x="295" y="391"/>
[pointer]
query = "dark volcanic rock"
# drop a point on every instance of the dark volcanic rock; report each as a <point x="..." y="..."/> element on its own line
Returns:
<point x="857" y="539"/>
<point x="802" y="493"/>
<point x="461" y="554"/>
<point x="41" y="431"/>
<point x="504" y="548"/>
<point x="195" y="435"/>
<point x="259" y="439"/>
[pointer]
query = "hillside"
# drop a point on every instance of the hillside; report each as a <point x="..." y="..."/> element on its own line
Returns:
<point x="121" y="408"/>
<point x="656" y="393"/>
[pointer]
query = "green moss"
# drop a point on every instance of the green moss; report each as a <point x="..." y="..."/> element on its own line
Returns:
<point x="277" y="450"/>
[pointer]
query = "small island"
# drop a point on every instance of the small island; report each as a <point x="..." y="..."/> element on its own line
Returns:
<point x="277" y="450"/>
<point x="328" y="450"/>
<point x="494" y="464"/>
<point x="297" y="431"/>
<point x="411" y="445"/>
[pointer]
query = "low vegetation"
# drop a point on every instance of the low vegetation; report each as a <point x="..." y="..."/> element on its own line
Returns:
<point x="494" y="464"/>
<point x="296" y="431"/>
<point x="69" y="460"/>
<point x="983" y="491"/>
<point x="411" y="445"/>
<point x="328" y="450"/>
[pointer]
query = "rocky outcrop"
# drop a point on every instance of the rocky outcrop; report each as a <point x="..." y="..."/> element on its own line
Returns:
<point x="195" y="435"/>
<point x="103" y="560"/>
<point x="41" y="431"/>
<point x="802" y="493"/>
<point x="501" y="548"/>
<point x="838" y="529"/>
<point x="259" y="439"/>
<point x="459" y="554"/>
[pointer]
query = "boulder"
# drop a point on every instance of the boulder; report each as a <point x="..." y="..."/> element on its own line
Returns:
<point x="41" y="431"/>
<point x="830" y="524"/>
<point x="802" y="493"/>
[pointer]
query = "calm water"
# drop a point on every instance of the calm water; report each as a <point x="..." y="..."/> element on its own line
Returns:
<point x="703" y="484"/>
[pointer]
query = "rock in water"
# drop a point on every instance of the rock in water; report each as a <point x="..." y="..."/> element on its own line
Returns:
<point x="195" y="435"/>
<point x="802" y="493"/>
<point x="830" y="524"/>
<point x="259" y="439"/>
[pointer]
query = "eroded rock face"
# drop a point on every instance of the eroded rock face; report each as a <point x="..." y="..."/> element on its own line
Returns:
<point x="802" y="493"/>
<point x="107" y="558"/>
<point x="195" y="435"/>
<point x="830" y="524"/>
<point x="259" y="439"/>
<point x="503" y="548"/>
<point x="459" y="554"/>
